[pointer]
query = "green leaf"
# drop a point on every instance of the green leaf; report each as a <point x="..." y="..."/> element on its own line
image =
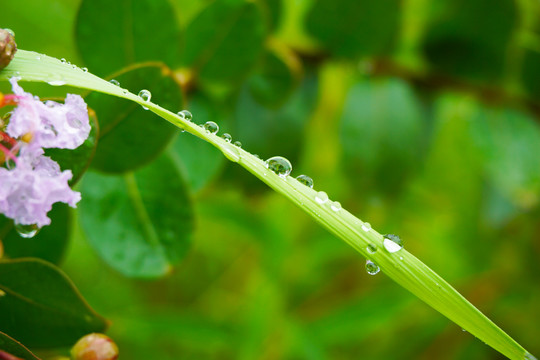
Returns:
<point x="403" y="267"/>
<point x="200" y="162"/>
<point x="48" y="244"/>
<point x="15" y="348"/>
<point x="224" y="41"/>
<point x="531" y="72"/>
<point x="276" y="131"/>
<point x="79" y="159"/>
<point x="470" y="38"/>
<point x="381" y="131"/>
<point x="510" y="143"/>
<point x="139" y="223"/>
<point x="129" y="136"/>
<point x="41" y="307"/>
<point x="276" y="78"/>
<point x="114" y="34"/>
<point x="352" y="28"/>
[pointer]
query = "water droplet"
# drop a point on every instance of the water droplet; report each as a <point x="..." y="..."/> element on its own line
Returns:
<point x="11" y="32"/>
<point x="306" y="180"/>
<point x="146" y="96"/>
<point x="279" y="165"/>
<point x="211" y="127"/>
<point x="529" y="356"/>
<point x="462" y="329"/>
<point x="392" y="243"/>
<point x="64" y="61"/>
<point x="38" y="57"/>
<point x="186" y="115"/>
<point x="115" y="82"/>
<point x="27" y="231"/>
<point x="84" y="69"/>
<point x="321" y="197"/>
<point x="372" y="249"/>
<point x="56" y="82"/>
<point x="336" y="206"/>
<point x="366" y="226"/>
<point x="372" y="268"/>
<point x="237" y="143"/>
<point x="227" y="137"/>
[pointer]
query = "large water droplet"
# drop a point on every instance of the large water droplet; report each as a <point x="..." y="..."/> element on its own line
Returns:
<point x="372" y="249"/>
<point x="115" y="82"/>
<point x="27" y="231"/>
<point x="227" y="137"/>
<point x="306" y="180"/>
<point x="279" y="165"/>
<point x="211" y="127"/>
<point x="321" y="197"/>
<point x="372" y="268"/>
<point x="336" y="206"/>
<point x="186" y="115"/>
<point x="366" y="226"/>
<point x="146" y="96"/>
<point x="392" y="243"/>
<point x="237" y="143"/>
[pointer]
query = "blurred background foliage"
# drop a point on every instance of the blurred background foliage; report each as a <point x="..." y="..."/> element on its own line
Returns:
<point x="419" y="116"/>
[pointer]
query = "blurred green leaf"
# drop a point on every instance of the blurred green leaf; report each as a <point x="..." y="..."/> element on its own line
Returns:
<point x="114" y="34"/>
<point x="530" y="76"/>
<point x="276" y="78"/>
<point x="79" y="159"/>
<point x="270" y="132"/>
<point x="199" y="160"/>
<point x="469" y="38"/>
<point x="48" y="244"/>
<point x="382" y="132"/>
<point x="224" y="41"/>
<point x="272" y="10"/>
<point x="13" y="347"/>
<point x="41" y="307"/>
<point x="129" y="136"/>
<point x="140" y="223"/>
<point x="352" y="28"/>
<point x="510" y="143"/>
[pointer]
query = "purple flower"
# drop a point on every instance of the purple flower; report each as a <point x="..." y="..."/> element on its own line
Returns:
<point x="52" y="125"/>
<point x="30" y="188"/>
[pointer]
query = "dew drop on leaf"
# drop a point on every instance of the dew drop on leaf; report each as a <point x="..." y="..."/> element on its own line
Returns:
<point x="321" y="197"/>
<point x="279" y="165"/>
<point x="211" y="127"/>
<point x="186" y="115"/>
<point x="392" y="243"/>
<point x="372" y="268"/>
<point x="146" y="96"/>
<point x="335" y="206"/>
<point x="306" y="180"/>
<point x="227" y="137"/>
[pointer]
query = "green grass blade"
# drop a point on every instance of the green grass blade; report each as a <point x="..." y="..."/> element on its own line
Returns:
<point x="400" y="266"/>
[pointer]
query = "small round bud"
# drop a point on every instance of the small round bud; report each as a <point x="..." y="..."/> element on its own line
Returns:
<point x="8" y="47"/>
<point x="94" y="347"/>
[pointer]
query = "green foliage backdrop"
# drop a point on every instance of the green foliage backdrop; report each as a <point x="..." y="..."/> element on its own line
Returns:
<point x="420" y="117"/>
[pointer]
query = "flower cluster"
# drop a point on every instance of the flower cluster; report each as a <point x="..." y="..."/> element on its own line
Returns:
<point x="30" y="183"/>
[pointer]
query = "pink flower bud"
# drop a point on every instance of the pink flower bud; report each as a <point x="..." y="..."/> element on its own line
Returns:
<point x="95" y="347"/>
<point x="8" y="47"/>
